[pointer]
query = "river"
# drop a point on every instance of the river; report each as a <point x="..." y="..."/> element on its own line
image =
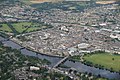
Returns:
<point x="77" y="65"/>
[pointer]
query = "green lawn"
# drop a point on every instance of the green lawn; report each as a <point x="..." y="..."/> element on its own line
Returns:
<point x="23" y="27"/>
<point x="105" y="59"/>
<point x="26" y="26"/>
<point x="5" y="28"/>
<point x="20" y="27"/>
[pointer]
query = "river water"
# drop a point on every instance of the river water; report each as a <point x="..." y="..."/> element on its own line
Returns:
<point x="77" y="65"/>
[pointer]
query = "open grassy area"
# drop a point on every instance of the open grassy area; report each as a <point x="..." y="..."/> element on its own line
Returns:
<point x="5" y="28"/>
<point x="109" y="61"/>
<point x="23" y="27"/>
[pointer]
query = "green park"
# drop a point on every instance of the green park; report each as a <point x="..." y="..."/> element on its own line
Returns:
<point x="107" y="60"/>
<point x="21" y="27"/>
<point x="101" y="60"/>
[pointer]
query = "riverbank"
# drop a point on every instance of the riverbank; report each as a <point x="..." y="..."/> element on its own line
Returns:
<point x="101" y="60"/>
<point x="33" y="50"/>
<point x="13" y="64"/>
<point x="80" y="67"/>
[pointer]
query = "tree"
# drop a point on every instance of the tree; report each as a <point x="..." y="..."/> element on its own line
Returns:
<point x="113" y="59"/>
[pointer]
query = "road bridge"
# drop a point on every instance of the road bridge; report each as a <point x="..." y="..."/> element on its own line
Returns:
<point x="61" y="61"/>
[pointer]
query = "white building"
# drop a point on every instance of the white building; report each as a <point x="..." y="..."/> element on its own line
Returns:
<point x="83" y="45"/>
<point x="115" y="36"/>
<point x="34" y="68"/>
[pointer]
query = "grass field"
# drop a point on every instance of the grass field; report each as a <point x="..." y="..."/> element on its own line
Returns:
<point x="26" y="26"/>
<point x="105" y="59"/>
<point x="5" y="28"/>
<point x="22" y="27"/>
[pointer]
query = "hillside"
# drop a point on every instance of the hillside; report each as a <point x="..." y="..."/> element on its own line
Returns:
<point x="41" y="1"/>
<point x="106" y="1"/>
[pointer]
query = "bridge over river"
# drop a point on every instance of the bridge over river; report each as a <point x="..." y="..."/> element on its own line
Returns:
<point x="56" y="61"/>
<point x="61" y="61"/>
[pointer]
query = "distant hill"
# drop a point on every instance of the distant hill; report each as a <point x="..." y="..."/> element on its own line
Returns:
<point x="106" y="1"/>
<point x="1" y="0"/>
<point x="42" y="1"/>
